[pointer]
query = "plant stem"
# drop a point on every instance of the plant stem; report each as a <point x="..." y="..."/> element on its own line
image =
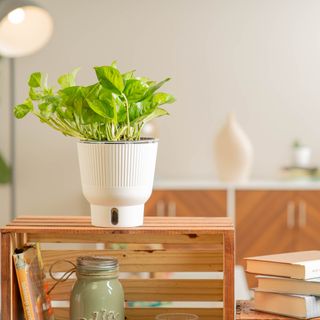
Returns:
<point x="128" y="117"/>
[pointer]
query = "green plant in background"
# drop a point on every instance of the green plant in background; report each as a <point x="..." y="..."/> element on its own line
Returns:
<point x="5" y="171"/>
<point x="115" y="108"/>
<point x="296" y="144"/>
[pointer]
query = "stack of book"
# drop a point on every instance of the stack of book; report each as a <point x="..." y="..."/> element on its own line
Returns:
<point x="288" y="283"/>
<point x="300" y="173"/>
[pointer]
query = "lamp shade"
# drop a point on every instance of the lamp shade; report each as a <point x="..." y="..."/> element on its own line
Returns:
<point x="25" y="27"/>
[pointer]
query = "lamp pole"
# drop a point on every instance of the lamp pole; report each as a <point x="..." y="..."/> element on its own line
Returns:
<point x="12" y="139"/>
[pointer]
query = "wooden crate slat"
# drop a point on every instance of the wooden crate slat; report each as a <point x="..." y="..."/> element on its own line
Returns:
<point x="150" y="313"/>
<point x="156" y="290"/>
<point x="7" y="288"/>
<point x="149" y="260"/>
<point x="31" y="222"/>
<point x="81" y="225"/>
<point x="228" y="270"/>
<point x="147" y="220"/>
<point x="88" y="218"/>
<point x="50" y="224"/>
<point x="79" y="237"/>
<point x="150" y="220"/>
<point x="60" y="229"/>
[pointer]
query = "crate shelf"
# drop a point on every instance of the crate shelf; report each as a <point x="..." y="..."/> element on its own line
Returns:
<point x="163" y="246"/>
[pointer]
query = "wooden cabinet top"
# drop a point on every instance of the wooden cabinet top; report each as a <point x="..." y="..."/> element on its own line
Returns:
<point x="163" y="184"/>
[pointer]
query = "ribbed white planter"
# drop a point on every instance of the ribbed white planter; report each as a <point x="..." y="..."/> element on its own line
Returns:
<point x="117" y="180"/>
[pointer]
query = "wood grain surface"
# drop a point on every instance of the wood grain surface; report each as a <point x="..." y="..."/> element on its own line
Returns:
<point x="161" y="246"/>
<point x="187" y="203"/>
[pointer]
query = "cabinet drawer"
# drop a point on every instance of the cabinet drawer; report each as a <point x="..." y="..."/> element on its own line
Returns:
<point x="264" y="223"/>
<point x="308" y="220"/>
<point x="270" y="222"/>
<point x="202" y="203"/>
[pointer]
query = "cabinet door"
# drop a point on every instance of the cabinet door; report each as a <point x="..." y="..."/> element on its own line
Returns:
<point x="308" y="220"/>
<point x="156" y="205"/>
<point x="202" y="203"/>
<point x="265" y="223"/>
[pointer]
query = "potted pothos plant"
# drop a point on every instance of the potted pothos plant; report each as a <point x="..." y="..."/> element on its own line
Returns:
<point x="301" y="154"/>
<point x="116" y="164"/>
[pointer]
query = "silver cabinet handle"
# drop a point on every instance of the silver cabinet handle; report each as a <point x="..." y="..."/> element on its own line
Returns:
<point x="290" y="215"/>
<point x="302" y="214"/>
<point x="160" y="208"/>
<point x="172" y="208"/>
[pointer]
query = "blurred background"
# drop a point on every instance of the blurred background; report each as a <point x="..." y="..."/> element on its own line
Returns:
<point x="256" y="58"/>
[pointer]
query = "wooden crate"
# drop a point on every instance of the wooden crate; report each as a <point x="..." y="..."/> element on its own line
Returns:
<point x="163" y="245"/>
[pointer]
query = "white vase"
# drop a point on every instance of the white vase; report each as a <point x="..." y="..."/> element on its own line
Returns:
<point x="117" y="179"/>
<point x="233" y="152"/>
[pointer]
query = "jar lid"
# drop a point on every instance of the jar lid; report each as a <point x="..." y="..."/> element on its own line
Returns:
<point x="97" y="263"/>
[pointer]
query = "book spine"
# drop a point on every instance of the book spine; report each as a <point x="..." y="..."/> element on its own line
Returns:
<point x="24" y="287"/>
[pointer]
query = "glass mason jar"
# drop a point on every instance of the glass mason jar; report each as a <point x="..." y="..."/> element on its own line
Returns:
<point x="97" y="294"/>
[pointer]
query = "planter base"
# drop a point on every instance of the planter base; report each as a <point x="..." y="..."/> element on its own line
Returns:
<point x="123" y="217"/>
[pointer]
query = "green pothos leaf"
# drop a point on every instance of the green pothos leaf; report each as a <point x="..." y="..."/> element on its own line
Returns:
<point x="21" y="110"/>
<point x="5" y="171"/>
<point x="101" y="108"/>
<point x="68" y="79"/>
<point x="35" y="80"/>
<point x="110" y="78"/>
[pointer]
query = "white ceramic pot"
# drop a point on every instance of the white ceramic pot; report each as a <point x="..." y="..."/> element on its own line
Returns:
<point x="117" y="179"/>
<point x="301" y="156"/>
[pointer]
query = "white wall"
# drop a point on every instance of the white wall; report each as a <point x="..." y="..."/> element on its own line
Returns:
<point x="258" y="58"/>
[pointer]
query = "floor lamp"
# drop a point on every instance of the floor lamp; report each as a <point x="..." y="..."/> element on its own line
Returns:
<point x="25" y="28"/>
